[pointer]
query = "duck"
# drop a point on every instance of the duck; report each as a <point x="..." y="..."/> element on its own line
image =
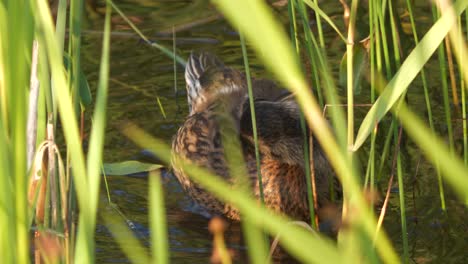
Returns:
<point x="220" y="117"/>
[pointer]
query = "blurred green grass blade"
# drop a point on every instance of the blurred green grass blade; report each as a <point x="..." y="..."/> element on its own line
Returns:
<point x="406" y="74"/>
<point x="83" y="86"/>
<point x="96" y="142"/>
<point x="84" y="238"/>
<point x="295" y="240"/>
<point x="129" y="167"/>
<point x="3" y="69"/>
<point x="157" y="217"/>
<point x="76" y="17"/>
<point x="360" y="63"/>
<point x="60" y="24"/>
<point x="452" y="167"/>
<point x="132" y="248"/>
<point x="7" y="236"/>
<point x="17" y="56"/>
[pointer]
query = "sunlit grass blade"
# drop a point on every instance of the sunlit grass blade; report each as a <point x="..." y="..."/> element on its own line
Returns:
<point x="16" y="53"/>
<point x="157" y="217"/>
<point x="406" y="74"/>
<point x="125" y="238"/>
<point x="350" y="73"/>
<point x="96" y="142"/>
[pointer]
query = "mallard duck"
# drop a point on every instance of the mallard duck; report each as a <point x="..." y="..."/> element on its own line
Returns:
<point x="219" y="111"/>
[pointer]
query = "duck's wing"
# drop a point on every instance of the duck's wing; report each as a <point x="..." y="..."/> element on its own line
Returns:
<point x="268" y="90"/>
<point x="281" y="139"/>
<point x="278" y="129"/>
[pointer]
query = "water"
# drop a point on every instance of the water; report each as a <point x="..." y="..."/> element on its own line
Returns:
<point x="140" y="74"/>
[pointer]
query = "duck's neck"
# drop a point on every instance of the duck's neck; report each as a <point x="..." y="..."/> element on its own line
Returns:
<point x="223" y="100"/>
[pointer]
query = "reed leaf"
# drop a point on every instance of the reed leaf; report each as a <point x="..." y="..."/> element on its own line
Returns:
<point x="157" y="216"/>
<point x="96" y="143"/>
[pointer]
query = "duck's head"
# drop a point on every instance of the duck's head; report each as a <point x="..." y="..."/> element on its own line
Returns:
<point x="210" y="82"/>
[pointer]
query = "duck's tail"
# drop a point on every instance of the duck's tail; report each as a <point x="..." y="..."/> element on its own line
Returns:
<point x="198" y="63"/>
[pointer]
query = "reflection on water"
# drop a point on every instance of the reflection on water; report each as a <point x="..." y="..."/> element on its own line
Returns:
<point x="140" y="74"/>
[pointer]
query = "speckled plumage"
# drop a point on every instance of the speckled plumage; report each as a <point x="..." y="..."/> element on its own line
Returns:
<point x="219" y="112"/>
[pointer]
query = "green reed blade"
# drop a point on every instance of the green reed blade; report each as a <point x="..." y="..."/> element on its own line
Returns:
<point x="60" y="24"/>
<point x="157" y="220"/>
<point x="318" y="19"/>
<point x="397" y="53"/>
<point x="464" y="56"/>
<point x="370" y="171"/>
<point x="254" y="236"/>
<point x="423" y="72"/>
<point x="174" y="61"/>
<point x="293" y="25"/>
<point x="386" y="149"/>
<point x="17" y="46"/>
<point x="310" y="50"/>
<point x="7" y="217"/>
<point x="401" y="191"/>
<point x="442" y="57"/>
<point x="426" y="94"/>
<point x="322" y="14"/>
<point x="76" y="15"/>
<point x="447" y="111"/>
<point x="96" y="141"/>
<point x="254" y="118"/>
<point x="350" y="75"/>
<point x="305" y="131"/>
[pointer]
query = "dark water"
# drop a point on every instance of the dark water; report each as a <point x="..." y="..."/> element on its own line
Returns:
<point x="140" y="74"/>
